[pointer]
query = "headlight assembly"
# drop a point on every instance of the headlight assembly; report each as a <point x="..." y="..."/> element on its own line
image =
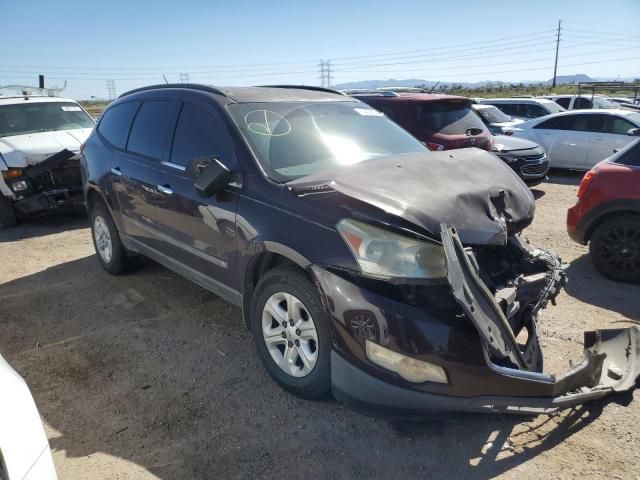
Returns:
<point x="384" y="254"/>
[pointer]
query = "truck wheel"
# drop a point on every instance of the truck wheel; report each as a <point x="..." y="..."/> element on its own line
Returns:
<point x="111" y="253"/>
<point x="615" y="248"/>
<point x="7" y="214"/>
<point x="291" y="332"/>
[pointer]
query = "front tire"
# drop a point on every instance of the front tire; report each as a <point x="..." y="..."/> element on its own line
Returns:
<point x="615" y="248"/>
<point x="7" y="214"/>
<point x="291" y="332"/>
<point x="109" y="249"/>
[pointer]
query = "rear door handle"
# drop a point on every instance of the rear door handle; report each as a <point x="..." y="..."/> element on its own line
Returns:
<point x="116" y="171"/>
<point x="165" y="189"/>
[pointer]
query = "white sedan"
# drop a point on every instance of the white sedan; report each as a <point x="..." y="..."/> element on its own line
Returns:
<point x="578" y="139"/>
<point x="24" y="449"/>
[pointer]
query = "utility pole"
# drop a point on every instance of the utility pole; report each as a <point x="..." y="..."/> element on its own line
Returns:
<point x="111" y="89"/>
<point x="555" y="66"/>
<point x="184" y="78"/>
<point x="322" y="73"/>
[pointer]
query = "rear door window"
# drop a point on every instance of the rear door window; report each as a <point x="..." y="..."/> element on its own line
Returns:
<point x="531" y="110"/>
<point x="448" y="118"/>
<point x="563" y="102"/>
<point x="580" y="102"/>
<point x="199" y="134"/>
<point x="116" y="121"/>
<point x="565" y="122"/>
<point x="150" y="130"/>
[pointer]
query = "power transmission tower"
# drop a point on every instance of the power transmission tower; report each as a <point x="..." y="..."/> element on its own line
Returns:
<point x="555" y="66"/>
<point x="322" y="77"/>
<point x="111" y="88"/>
<point x="184" y="78"/>
<point x="328" y="73"/>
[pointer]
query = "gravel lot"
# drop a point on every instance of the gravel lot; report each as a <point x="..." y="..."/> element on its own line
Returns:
<point x="149" y="376"/>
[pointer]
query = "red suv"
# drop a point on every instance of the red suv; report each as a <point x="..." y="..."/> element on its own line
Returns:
<point x="607" y="214"/>
<point x="442" y="122"/>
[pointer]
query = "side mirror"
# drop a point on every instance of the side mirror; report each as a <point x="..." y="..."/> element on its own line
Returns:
<point x="213" y="179"/>
<point x="635" y="132"/>
<point x="473" y="131"/>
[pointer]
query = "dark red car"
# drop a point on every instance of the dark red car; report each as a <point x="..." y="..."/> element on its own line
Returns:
<point x="607" y="214"/>
<point x="442" y="122"/>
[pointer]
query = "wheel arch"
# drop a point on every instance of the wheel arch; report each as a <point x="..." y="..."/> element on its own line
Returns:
<point x="271" y="256"/>
<point x="609" y="211"/>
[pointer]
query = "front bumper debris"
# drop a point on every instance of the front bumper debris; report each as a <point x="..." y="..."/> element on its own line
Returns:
<point x="476" y="341"/>
<point x="53" y="184"/>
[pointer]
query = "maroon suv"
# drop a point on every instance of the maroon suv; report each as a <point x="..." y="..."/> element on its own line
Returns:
<point x="442" y="122"/>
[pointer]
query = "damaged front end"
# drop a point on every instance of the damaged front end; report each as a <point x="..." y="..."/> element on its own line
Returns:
<point x="51" y="184"/>
<point x="501" y="311"/>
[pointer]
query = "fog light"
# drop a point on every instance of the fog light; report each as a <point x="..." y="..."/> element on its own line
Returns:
<point x="20" y="186"/>
<point x="410" y="369"/>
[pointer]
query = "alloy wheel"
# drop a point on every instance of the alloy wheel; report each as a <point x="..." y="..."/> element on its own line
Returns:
<point x="290" y="334"/>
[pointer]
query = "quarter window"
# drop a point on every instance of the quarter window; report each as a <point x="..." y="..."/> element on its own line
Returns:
<point x="116" y="121"/>
<point x="150" y="129"/>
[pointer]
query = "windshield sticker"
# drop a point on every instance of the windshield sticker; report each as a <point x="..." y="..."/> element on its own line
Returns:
<point x="268" y="123"/>
<point x="71" y="109"/>
<point x="369" y="112"/>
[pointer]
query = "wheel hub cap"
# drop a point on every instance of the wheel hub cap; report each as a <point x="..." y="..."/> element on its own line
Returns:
<point x="290" y="334"/>
<point x="103" y="239"/>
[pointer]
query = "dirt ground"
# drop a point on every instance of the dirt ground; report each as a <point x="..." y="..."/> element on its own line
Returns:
<point x="149" y="376"/>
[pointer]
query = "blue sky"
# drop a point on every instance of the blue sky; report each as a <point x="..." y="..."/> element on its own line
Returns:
<point x="251" y="42"/>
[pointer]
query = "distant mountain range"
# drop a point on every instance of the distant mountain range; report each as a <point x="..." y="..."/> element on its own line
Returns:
<point x="412" y="82"/>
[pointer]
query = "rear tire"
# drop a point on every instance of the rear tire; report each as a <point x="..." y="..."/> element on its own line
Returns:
<point x="291" y="332"/>
<point x="111" y="254"/>
<point x="7" y="214"/>
<point x="614" y="248"/>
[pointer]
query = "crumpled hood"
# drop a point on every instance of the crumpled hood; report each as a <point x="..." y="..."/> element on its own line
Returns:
<point x="25" y="150"/>
<point x="469" y="189"/>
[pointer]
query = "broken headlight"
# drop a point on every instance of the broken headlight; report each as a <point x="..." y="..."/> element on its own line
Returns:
<point x="385" y="254"/>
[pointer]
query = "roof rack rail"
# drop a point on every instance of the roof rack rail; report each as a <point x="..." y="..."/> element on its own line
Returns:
<point x="304" y="87"/>
<point x="361" y="91"/>
<point x="191" y="86"/>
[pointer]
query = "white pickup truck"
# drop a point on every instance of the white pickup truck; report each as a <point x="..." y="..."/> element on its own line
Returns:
<point x="39" y="141"/>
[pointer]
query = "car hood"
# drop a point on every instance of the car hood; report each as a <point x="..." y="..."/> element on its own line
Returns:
<point x="469" y="189"/>
<point x="32" y="148"/>
<point x="506" y="143"/>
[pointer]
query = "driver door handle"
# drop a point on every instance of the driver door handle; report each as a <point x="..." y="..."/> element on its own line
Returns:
<point x="166" y="189"/>
<point x="116" y="171"/>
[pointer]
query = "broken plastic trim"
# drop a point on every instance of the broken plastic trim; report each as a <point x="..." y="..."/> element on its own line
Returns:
<point x="611" y="357"/>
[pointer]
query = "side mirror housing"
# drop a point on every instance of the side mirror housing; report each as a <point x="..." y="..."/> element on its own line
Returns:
<point x="213" y="179"/>
<point x="635" y="132"/>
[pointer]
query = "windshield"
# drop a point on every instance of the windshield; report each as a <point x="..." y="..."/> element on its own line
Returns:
<point x="493" y="115"/>
<point x="600" y="102"/>
<point x="293" y="140"/>
<point x="553" y="107"/>
<point x="34" y="117"/>
<point x="448" y="118"/>
<point x="633" y="117"/>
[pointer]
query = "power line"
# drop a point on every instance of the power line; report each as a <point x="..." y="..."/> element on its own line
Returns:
<point x="184" y="78"/>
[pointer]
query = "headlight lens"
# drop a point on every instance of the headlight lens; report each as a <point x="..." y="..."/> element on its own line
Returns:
<point x="12" y="173"/>
<point x="508" y="158"/>
<point x="19" y="186"/>
<point x="386" y="254"/>
<point x="411" y="369"/>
